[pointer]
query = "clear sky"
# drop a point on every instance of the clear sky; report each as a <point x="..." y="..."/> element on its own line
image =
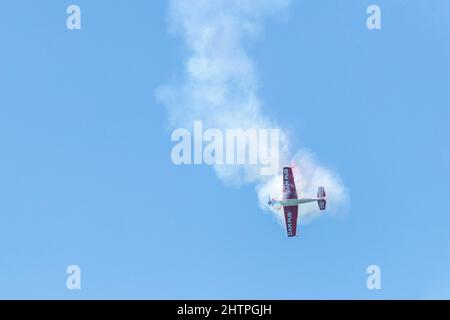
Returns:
<point x="86" y="176"/>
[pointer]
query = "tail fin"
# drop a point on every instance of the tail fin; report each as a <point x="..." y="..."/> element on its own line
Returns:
<point x="322" y="202"/>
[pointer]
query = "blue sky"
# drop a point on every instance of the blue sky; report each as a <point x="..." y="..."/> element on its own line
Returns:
<point x="86" y="176"/>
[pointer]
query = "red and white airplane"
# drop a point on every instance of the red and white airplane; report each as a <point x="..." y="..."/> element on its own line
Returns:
<point x="290" y="201"/>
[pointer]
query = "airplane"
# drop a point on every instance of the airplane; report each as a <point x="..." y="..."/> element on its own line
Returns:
<point x="291" y="201"/>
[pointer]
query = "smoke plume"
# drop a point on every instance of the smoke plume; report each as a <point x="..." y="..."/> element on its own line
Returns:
<point x="219" y="86"/>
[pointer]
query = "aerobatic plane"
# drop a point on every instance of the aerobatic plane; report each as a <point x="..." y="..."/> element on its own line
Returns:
<point x="291" y="201"/>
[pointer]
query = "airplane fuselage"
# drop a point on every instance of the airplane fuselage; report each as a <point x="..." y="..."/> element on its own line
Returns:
<point x="294" y="202"/>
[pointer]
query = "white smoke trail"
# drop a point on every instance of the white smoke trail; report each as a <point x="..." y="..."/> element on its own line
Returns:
<point x="220" y="88"/>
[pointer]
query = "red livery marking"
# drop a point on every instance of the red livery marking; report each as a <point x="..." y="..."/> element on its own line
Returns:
<point x="289" y="189"/>
<point x="290" y="216"/>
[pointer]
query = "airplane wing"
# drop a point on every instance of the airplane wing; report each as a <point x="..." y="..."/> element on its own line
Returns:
<point x="290" y="216"/>
<point x="289" y="190"/>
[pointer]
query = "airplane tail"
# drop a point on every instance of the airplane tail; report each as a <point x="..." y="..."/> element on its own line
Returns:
<point x="321" y="195"/>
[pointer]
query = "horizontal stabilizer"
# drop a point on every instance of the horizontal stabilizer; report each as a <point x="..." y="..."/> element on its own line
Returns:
<point x="321" y="192"/>
<point x="322" y="202"/>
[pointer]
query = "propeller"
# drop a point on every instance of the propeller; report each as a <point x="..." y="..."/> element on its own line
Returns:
<point x="270" y="201"/>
